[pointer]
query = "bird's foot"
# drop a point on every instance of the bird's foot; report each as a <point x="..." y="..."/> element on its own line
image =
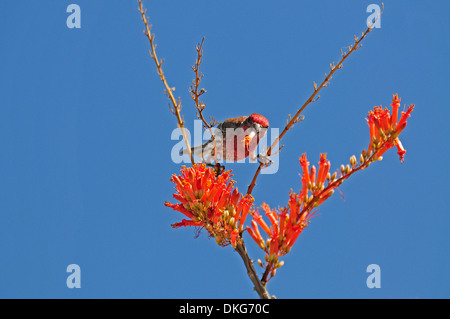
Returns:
<point x="218" y="168"/>
<point x="264" y="160"/>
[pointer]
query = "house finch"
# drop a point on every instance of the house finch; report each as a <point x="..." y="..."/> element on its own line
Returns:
<point x="234" y="139"/>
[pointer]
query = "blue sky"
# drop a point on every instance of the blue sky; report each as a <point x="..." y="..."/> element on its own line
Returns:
<point x="85" y="143"/>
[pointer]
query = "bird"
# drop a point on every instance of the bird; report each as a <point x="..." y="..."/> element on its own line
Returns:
<point x="234" y="140"/>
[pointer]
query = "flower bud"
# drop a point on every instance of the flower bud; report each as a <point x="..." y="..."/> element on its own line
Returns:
<point x="347" y="169"/>
<point x="353" y="160"/>
<point x="333" y="177"/>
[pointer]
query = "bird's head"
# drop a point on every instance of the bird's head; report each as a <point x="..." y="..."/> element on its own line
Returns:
<point x="259" y="123"/>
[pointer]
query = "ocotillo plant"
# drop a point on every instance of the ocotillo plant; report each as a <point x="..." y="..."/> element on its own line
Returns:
<point x="206" y="194"/>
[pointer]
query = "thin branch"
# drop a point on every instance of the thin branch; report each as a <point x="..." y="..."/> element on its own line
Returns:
<point x="168" y="90"/>
<point x="356" y="45"/>
<point x="259" y="287"/>
<point x="265" y="276"/>
<point x="196" y="93"/>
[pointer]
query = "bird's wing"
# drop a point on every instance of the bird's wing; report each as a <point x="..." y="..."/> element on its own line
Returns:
<point x="233" y="121"/>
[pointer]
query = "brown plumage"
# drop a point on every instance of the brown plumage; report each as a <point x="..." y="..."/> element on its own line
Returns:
<point x="240" y="133"/>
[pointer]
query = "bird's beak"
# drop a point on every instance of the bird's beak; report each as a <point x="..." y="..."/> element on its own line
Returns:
<point x="252" y="134"/>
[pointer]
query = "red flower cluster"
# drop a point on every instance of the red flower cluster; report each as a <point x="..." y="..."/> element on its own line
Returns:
<point x="211" y="202"/>
<point x="384" y="127"/>
<point x="288" y="222"/>
<point x="319" y="185"/>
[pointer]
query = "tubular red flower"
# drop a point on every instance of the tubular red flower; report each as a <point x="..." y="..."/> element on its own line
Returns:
<point x="324" y="167"/>
<point x="233" y="237"/>
<point x="405" y="116"/>
<point x="282" y="225"/>
<point x="401" y="151"/>
<point x="294" y="205"/>
<point x="395" y="105"/>
<point x="272" y="215"/>
<point x="273" y="250"/>
<point x="185" y="223"/>
<point x="258" y="218"/>
<point x="243" y="208"/>
<point x="305" y="167"/>
<point x="180" y="208"/>
<point x="293" y="235"/>
<point x="385" y="120"/>
<point x="235" y="198"/>
<point x="313" y="175"/>
<point x="258" y="240"/>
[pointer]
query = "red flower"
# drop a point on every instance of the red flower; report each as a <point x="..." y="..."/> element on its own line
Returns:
<point x="287" y="224"/>
<point x="384" y="127"/>
<point x="211" y="202"/>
